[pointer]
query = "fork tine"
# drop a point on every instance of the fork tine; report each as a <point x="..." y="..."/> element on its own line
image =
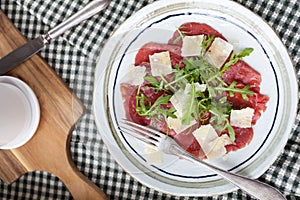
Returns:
<point x="147" y="139"/>
<point x="140" y="132"/>
<point x="151" y="143"/>
<point x="152" y="132"/>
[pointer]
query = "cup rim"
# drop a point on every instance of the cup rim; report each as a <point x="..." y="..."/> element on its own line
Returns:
<point x="30" y="130"/>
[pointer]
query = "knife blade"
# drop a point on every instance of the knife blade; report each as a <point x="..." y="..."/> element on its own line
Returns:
<point x="24" y="52"/>
<point x="21" y="54"/>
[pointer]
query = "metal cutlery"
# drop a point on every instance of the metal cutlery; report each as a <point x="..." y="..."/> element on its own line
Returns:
<point x="24" y="52"/>
<point x="159" y="141"/>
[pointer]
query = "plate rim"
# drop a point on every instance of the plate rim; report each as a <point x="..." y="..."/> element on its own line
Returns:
<point x="189" y="1"/>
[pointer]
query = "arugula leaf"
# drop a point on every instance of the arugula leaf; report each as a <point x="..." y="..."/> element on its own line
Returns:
<point x="220" y="116"/>
<point x="163" y="99"/>
<point x="152" y="80"/>
<point x="150" y="110"/>
<point x="230" y="131"/>
<point x="180" y="36"/>
<point x="156" y="84"/>
<point x="212" y="100"/>
<point x="190" y="112"/>
<point x="231" y="89"/>
<point x="207" y="40"/>
<point x="236" y="57"/>
<point x="141" y="101"/>
<point x="170" y="113"/>
<point x="245" y="52"/>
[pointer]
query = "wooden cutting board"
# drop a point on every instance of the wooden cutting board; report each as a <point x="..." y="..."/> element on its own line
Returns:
<point x="48" y="150"/>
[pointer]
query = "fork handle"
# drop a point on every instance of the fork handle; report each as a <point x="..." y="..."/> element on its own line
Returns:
<point x="86" y="12"/>
<point x="254" y="188"/>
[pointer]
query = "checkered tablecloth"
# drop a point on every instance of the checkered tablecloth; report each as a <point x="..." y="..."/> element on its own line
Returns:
<point x="73" y="56"/>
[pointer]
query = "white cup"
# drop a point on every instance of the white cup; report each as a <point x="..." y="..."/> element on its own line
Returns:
<point x="19" y="113"/>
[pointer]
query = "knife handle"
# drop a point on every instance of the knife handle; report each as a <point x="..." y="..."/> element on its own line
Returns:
<point x="86" y="12"/>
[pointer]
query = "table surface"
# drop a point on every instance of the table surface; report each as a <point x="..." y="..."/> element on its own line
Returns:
<point x="73" y="56"/>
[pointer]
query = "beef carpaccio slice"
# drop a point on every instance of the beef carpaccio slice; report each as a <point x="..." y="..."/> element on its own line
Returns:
<point x="240" y="72"/>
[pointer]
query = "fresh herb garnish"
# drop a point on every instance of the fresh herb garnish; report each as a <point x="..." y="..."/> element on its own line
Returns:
<point x="231" y="89"/>
<point x="213" y="100"/>
<point x="145" y="108"/>
<point x="219" y="119"/>
<point x="207" y="42"/>
<point x="153" y="81"/>
<point x="191" y="112"/>
<point x="236" y="57"/>
<point x="180" y="36"/>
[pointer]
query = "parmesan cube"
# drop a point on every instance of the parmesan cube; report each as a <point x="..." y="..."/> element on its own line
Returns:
<point x="218" y="52"/>
<point x="192" y="45"/>
<point x="242" y="118"/>
<point x="180" y="100"/>
<point x="219" y="149"/>
<point x="212" y="145"/>
<point x="200" y="87"/>
<point x="177" y="126"/>
<point x="160" y="63"/>
<point x="206" y="136"/>
<point x="153" y="157"/>
<point x="135" y="75"/>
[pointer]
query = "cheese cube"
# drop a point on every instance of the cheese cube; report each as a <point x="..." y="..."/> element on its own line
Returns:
<point x="178" y="103"/>
<point x="219" y="149"/>
<point x="206" y="136"/>
<point x="135" y="75"/>
<point x="160" y="63"/>
<point x="218" y="52"/>
<point x="153" y="157"/>
<point x="212" y="145"/>
<point x="200" y="87"/>
<point x="180" y="100"/>
<point x="176" y="124"/>
<point x="242" y="118"/>
<point x="192" y="45"/>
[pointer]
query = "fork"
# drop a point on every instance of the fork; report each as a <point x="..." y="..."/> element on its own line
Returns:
<point x="160" y="142"/>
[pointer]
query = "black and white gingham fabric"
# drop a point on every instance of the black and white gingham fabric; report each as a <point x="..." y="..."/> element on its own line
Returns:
<point x="73" y="57"/>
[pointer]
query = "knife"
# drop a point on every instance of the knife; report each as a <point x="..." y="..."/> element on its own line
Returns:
<point x="24" y="52"/>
